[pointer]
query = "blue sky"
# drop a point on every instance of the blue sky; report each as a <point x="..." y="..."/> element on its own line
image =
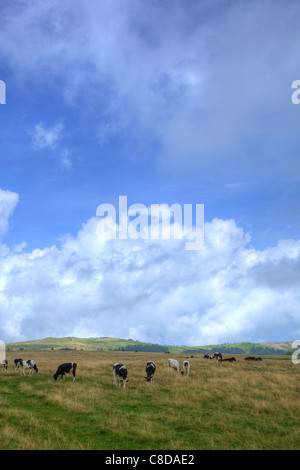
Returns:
<point x="165" y="102"/>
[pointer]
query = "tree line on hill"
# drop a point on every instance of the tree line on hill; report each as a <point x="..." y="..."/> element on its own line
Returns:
<point x="143" y="348"/>
<point x="254" y="350"/>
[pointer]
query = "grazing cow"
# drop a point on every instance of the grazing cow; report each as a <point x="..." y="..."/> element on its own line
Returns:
<point x="17" y="363"/>
<point x="231" y="359"/>
<point x="66" y="368"/>
<point x="186" y="368"/>
<point x="150" y="371"/>
<point x="29" y="364"/>
<point x="4" y="364"/>
<point x="173" y="364"/>
<point x="218" y="357"/>
<point x="121" y="371"/>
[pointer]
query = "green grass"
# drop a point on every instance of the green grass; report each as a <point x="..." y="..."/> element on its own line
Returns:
<point x="237" y="406"/>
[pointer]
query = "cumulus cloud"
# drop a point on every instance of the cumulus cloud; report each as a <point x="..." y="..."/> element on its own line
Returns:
<point x="153" y="290"/>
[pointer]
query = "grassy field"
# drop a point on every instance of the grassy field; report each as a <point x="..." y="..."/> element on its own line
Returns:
<point x="240" y="405"/>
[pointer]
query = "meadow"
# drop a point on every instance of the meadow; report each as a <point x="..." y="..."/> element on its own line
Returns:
<point x="241" y="405"/>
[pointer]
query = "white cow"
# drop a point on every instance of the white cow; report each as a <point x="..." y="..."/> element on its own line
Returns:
<point x="173" y="364"/>
<point x="186" y="368"/>
<point x="4" y="364"/>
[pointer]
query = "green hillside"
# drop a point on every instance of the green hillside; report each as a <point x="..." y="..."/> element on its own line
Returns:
<point x="116" y="344"/>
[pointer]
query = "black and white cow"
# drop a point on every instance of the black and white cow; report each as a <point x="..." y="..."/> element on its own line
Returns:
<point x="4" y="364"/>
<point x="208" y="356"/>
<point x="219" y="358"/>
<point x="173" y="364"/>
<point x="121" y="371"/>
<point x="29" y="364"/>
<point x="17" y="363"/>
<point x="66" y="368"/>
<point x="186" y="368"/>
<point x="150" y="371"/>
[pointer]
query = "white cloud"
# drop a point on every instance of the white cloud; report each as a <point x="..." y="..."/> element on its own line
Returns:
<point x="153" y="291"/>
<point x="8" y="202"/>
<point x="51" y="138"/>
<point x="66" y="160"/>
<point x="206" y="81"/>
<point x="47" y="138"/>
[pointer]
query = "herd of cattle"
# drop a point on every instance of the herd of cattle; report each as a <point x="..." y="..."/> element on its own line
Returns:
<point x="30" y="364"/>
<point x="120" y="370"/>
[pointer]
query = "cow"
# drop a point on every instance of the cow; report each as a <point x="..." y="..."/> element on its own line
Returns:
<point x="252" y="358"/>
<point x="231" y="359"/>
<point x="218" y="357"/>
<point x="66" y="368"/>
<point x="4" y="364"/>
<point x="173" y="364"/>
<point x="29" y="364"/>
<point x="150" y="371"/>
<point x="121" y="371"/>
<point x="186" y="368"/>
<point x="17" y="363"/>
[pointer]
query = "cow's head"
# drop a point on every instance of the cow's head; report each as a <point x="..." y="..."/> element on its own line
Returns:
<point x="123" y="375"/>
<point x="149" y="377"/>
<point x="124" y="381"/>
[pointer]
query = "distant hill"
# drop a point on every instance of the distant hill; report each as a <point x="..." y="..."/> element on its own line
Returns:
<point x="116" y="344"/>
